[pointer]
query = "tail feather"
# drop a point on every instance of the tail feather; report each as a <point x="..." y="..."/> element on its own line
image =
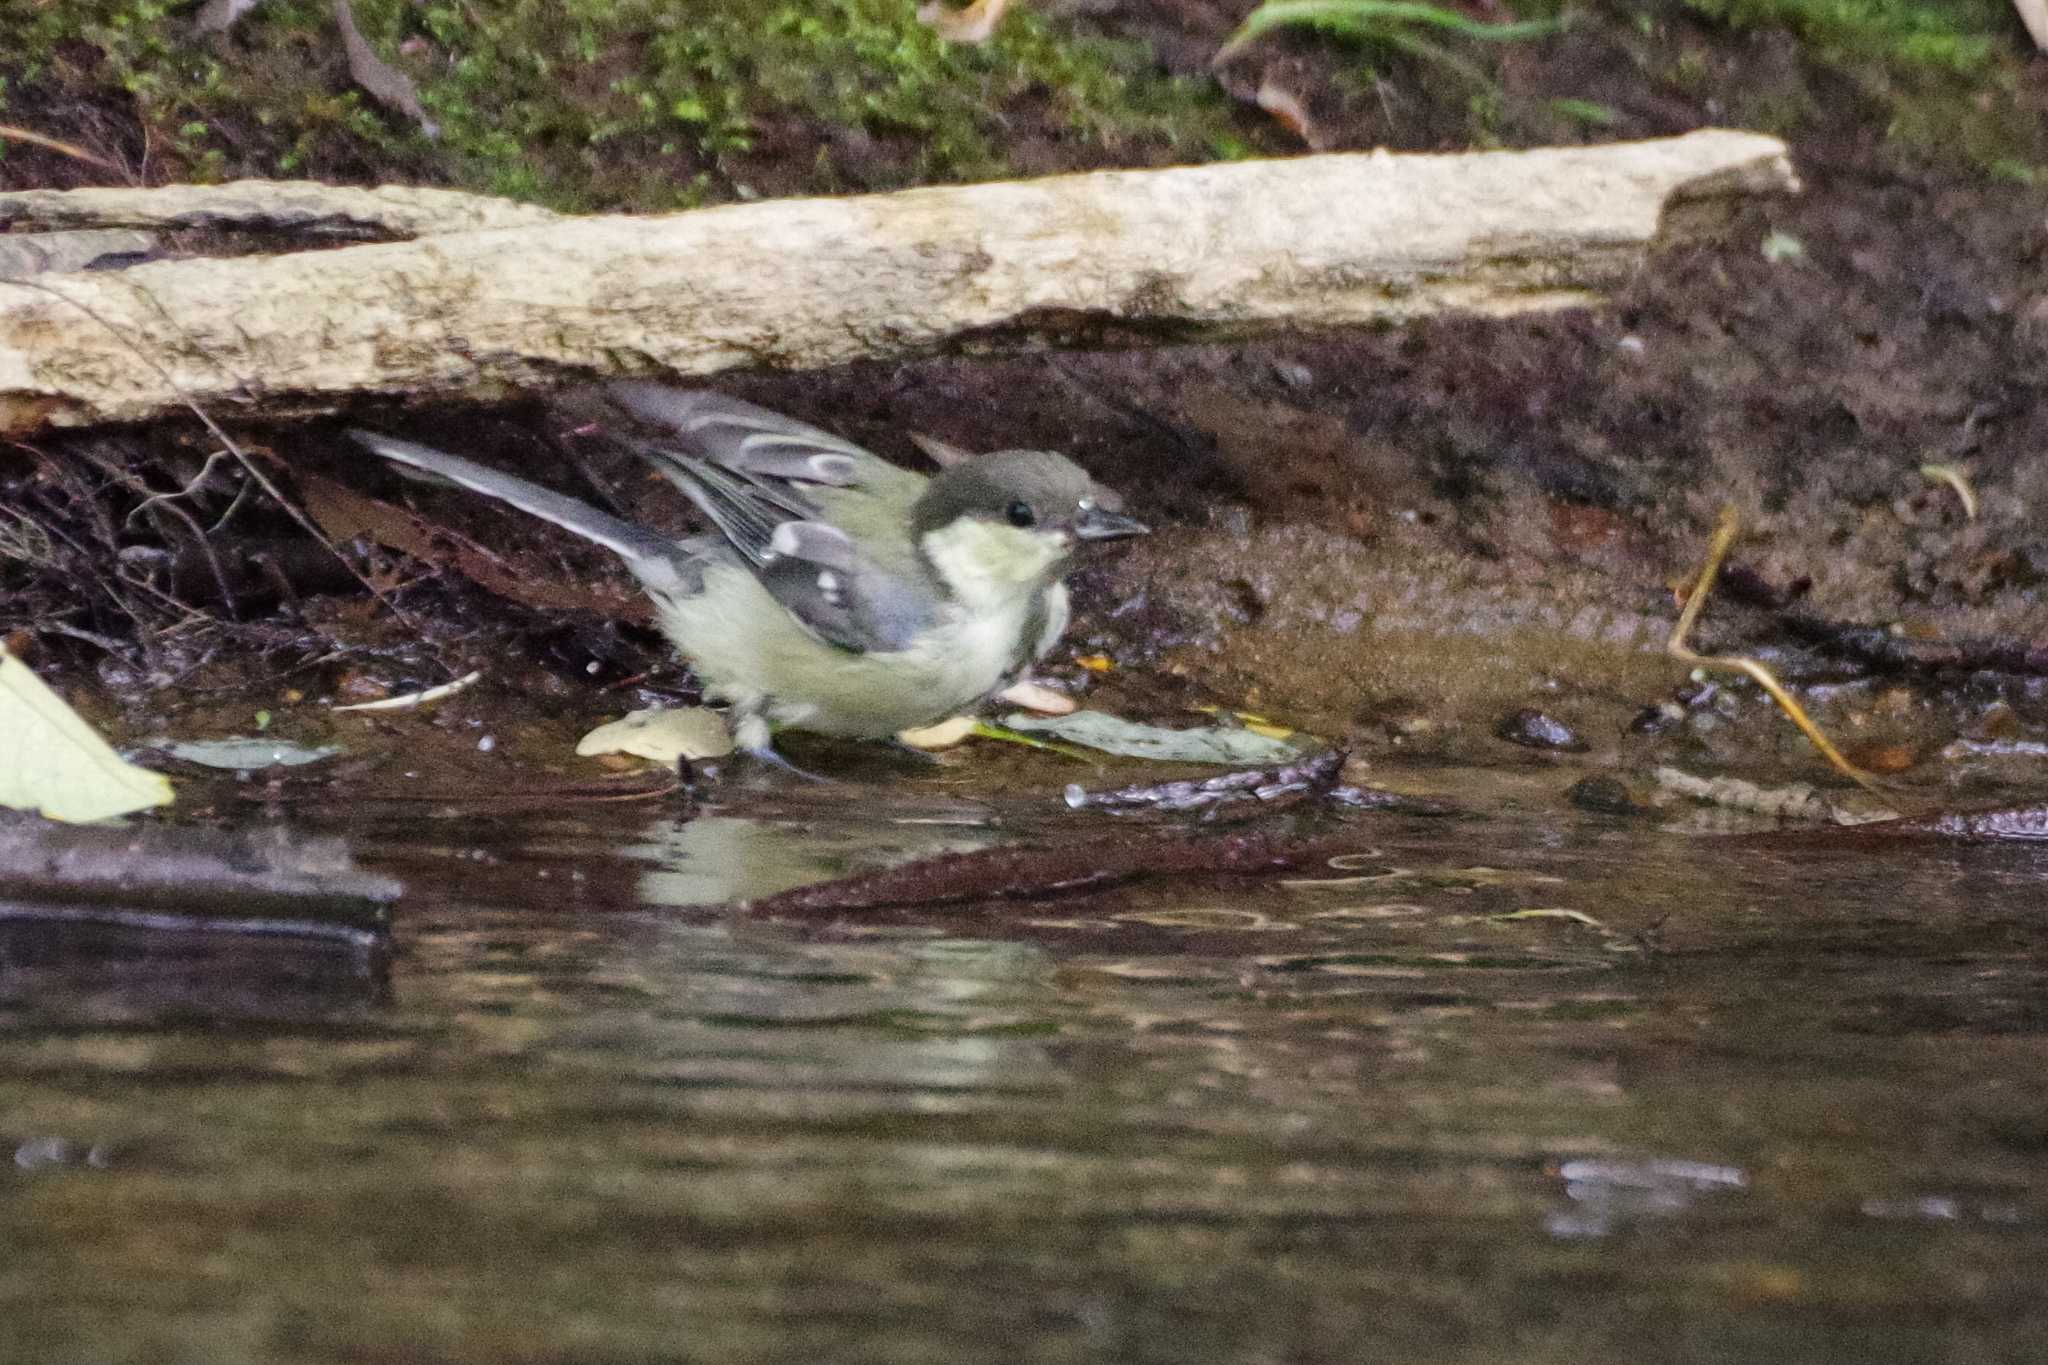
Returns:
<point x="658" y="561"/>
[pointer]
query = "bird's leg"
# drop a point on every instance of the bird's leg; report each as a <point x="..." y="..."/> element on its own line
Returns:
<point x="911" y="751"/>
<point x="768" y="757"/>
<point x="752" y="737"/>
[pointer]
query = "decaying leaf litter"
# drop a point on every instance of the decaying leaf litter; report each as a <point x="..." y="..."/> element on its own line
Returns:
<point x="1252" y="618"/>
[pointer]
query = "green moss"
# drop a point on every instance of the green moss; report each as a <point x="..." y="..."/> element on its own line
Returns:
<point x="1945" y="73"/>
<point x="1957" y="36"/>
<point x="619" y="103"/>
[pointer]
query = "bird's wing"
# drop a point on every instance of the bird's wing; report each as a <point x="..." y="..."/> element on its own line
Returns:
<point x="761" y="445"/>
<point x="844" y="593"/>
<point x="784" y="495"/>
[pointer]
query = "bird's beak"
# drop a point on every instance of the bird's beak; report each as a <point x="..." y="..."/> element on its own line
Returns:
<point x="1099" y="523"/>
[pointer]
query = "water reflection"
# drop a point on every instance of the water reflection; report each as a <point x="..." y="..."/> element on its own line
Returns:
<point x="717" y="858"/>
<point x="1610" y="1193"/>
<point x="1741" y="1104"/>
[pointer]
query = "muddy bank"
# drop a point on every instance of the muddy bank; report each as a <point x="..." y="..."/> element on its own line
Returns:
<point x="1402" y="538"/>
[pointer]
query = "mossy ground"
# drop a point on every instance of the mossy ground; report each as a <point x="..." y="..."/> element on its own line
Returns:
<point x="620" y="104"/>
<point x="636" y="104"/>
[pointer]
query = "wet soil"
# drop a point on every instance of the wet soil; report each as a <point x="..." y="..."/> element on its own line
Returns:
<point x="1411" y="532"/>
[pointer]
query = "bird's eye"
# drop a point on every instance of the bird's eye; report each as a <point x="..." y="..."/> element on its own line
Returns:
<point x="1021" y="514"/>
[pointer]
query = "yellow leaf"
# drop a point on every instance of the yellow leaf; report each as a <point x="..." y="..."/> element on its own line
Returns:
<point x="943" y="735"/>
<point x="51" y="761"/>
<point x="1038" y="697"/>
<point x="1252" y="721"/>
<point x="661" y="736"/>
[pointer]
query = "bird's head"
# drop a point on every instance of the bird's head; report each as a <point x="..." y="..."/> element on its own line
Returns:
<point x="1012" y="519"/>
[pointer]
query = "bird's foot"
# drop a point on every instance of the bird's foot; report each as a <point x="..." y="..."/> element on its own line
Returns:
<point x="924" y="758"/>
<point x="767" y="757"/>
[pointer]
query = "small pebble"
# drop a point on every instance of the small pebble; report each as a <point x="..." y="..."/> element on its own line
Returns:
<point x="1533" y="729"/>
<point x="1655" y="720"/>
<point x="1603" y="795"/>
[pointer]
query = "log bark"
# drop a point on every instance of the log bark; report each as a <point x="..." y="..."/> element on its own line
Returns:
<point x="1319" y="241"/>
<point x="298" y="208"/>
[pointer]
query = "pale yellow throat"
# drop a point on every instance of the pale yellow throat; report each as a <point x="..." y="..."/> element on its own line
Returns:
<point x="989" y="566"/>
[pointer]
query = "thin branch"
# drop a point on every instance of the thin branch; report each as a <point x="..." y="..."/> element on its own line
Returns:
<point x="1717" y="550"/>
<point x="14" y="133"/>
<point x="249" y="465"/>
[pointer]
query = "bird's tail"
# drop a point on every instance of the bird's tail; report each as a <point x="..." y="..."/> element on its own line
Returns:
<point x="658" y="561"/>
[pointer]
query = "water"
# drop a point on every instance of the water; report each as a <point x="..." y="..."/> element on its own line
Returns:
<point x="1774" y="1104"/>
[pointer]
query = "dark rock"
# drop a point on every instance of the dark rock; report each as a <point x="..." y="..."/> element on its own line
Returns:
<point x="1533" y="729"/>
<point x="1603" y="795"/>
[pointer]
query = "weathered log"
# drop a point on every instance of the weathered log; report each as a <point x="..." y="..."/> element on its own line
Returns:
<point x="305" y="208"/>
<point x="1313" y="242"/>
<point x="44" y="253"/>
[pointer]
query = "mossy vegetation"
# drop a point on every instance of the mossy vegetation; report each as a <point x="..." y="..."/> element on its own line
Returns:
<point x="588" y="104"/>
<point x="1958" y="36"/>
<point x="650" y="105"/>
<point x="1947" y="74"/>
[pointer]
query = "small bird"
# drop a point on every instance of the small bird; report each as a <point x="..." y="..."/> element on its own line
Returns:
<point x="837" y="593"/>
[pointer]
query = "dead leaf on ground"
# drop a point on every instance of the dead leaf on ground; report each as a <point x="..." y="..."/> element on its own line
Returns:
<point x="385" y="84"/>
<point x="661" y="735"/>
<point x="1286" y="107"/>
<point x="2034" y="14"/>
<point x="343" y="514"/>
<point x="974" y="24"/>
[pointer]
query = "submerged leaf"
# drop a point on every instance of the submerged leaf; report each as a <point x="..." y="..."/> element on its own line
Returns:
<point x="1114" y="735"/>
<point x="241" y="754"/>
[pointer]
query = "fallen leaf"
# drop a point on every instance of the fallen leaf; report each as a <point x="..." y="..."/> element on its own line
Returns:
<point x="51" y="761"/>
<point x="944" y="735"/>
<point x="944" y="454"/>
<point x="663" y="735"/>
<point x="974" y="24"/>
<point x="1038" y="697"/>
<point x="382" y="82"/>
<point x="1114" y="735"/>
<point x="412" y="700"/>
<point x="242" y="754"/>
<point x="342" y="514"/>
<point x="2034" y="14"/>
<point x="1286" y="107"/>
